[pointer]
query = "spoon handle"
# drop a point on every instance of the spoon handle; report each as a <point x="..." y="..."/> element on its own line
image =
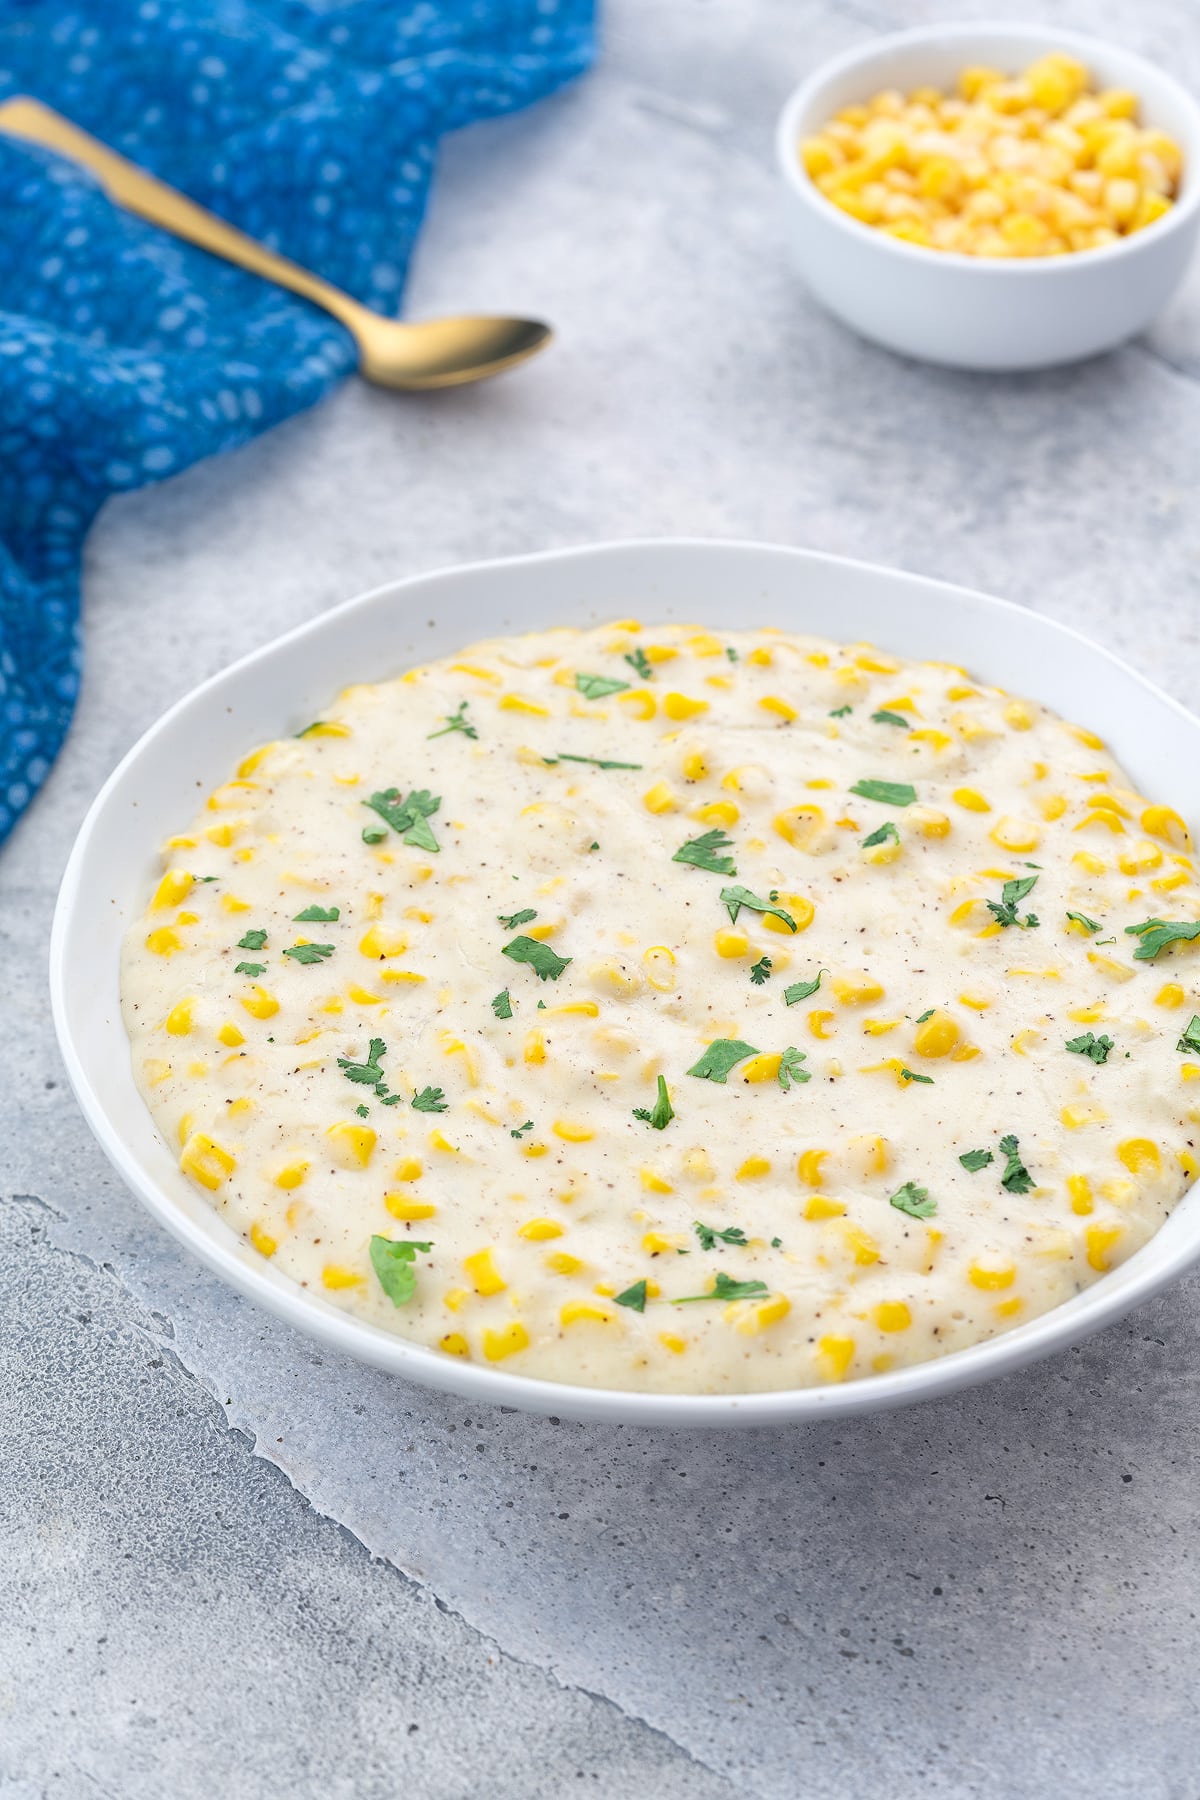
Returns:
<point x="162" y="205"/>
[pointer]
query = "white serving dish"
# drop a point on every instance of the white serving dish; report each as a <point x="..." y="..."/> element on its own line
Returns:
<point x="280" y="688"/>
<point x="975" y="312"/>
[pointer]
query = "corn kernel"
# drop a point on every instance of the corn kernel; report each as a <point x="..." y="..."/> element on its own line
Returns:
<point x="1140" y="1156"/>
<point x="938" y="1036"/>
<point x="753" y="1168"/>
<point x="834" y="1356"/>
<point x="504" y="1340"/>
<point x="971" y="800"/>
<point x="352" y="1144"/>
<point x="1100" y="1240"/>
<point x="892" y="1315"/>
<point x="821" y="1206"/>
<point x="206" y="1161"/>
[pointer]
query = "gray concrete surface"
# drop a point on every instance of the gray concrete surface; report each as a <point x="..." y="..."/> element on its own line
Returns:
<point x="232" y="1563"/>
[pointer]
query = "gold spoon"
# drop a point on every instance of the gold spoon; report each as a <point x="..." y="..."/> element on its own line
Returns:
<point x="436" y="353"/>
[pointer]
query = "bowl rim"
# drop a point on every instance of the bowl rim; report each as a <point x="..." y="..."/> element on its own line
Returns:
<point x="1104" y="1301"/>
<point x="1016" y="268"/>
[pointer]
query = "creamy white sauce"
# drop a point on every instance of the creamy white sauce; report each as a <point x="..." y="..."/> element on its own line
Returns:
<point x="541" y="1194"/>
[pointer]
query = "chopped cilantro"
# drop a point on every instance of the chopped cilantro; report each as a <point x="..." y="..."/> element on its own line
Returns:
<point x="731" y="653"/>
<point x="364" y="1112"/>
<point x="373" y="834"/>
<point x="546" y="964"/>
<point x="710" y="1237"/>
<point x="887" y="793"/>
<point x="884" y="717"/>
<point x="392" y="1260"/>
<point x="502" y="1005"/>
<point x="725" y="1288"/>
<point x="598" y="762"/>
<point x="1088" y="1044"/>
<point x="1082" y="919"/>
<point x="760" y="971"/>
<point x="660" y="1116"/>
<point x="840" y="712"/>
<point x="801" y="990"/>
<point x="926" y="1015"/>
<point x="319" y="915"/>
<point x="1191" y="1037"/>
<point x="639" y="662"/>
<point x="789" y="1067"/>
<point x="883" y="835"/>
<point x="1156" y="934"/>
<point x="914" y="1201"/>
<point x="409" y="817"/>
<point x="510" y="921"/>
<point x="907" y="1075"/>
<point x="455" y="721"/>
<point x="310" y="953"/>
<point x="974" y="1160"/>
<point x="595" y="687"/>
<point x="251" y="969"/>
<point x="1016" y="1177"/>
<point x="368" y="1072"/>
<point x="519" y="1130"/>
<point x="430" y="1100"/>
<point x="1012" y="893"/>
<point x="253" y="940"/>
<point x="634" y="1297"/>
<point x="737" y="897"/>
<point x="308" y="731"/>
<point x="707" y="852"/>
<point x="720" y="1057"/>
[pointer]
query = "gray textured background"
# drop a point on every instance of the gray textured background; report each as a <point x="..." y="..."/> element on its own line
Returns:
<point x="232" y="1564"/>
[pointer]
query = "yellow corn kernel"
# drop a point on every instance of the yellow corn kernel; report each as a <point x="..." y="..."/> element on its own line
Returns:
<point x="539" y="1230"/>
<point x="585" y="1312"/>
<point x="1015" y="834"/>
<point x="980" y="1276"/>
<point x="171" y="890"/>
<point x="861" y="1245"/>
<point x="681" y="706"/>
<point x="535" y="1047"/>
<point x="878" y="1027"/>
<point x="1052" y="806"/>
<point x="941" y="740"/>
<point x="731" y="943"/>
<point x="928" y="821"/>
<point x="659" y="964"/>
<point x="260" y="1003"/>
<point x="263" y="1242"/>
<point x="1024" y="1041"/>
<point x="773" y="704"/>
<point x="752" y="1316"/>
<point x="971" y="800"/>
<point x="206" y="1161"/>
<point x="1171" y="996"/>
<point x="230" y="1034"/>
<point x="802" y="912"/>
<point x="486" y="1279"/>
<point x="454" y="1344"/>
<point x="229" y="795"/>
<point x="671" y="1341"/>
<point x="1018" y="715"/>
<point x="834" y="1356"/>
<point x="818" y="1020"/>
<point x="1111" y="821"/>
<point x="964" y="914"/>
<point x="504" y="1340"/>
<point x="516" y="703"/>
<point x="655" y="1183"/>
<point x="376" y="942"/>
<point x="164" y="941"/>
<point x="334" y="1275"/>
<point x="1093" y="865"/>
<point x="821" y="1206"/>
<point x="352" y="1144"/>
<point x="179" y="1019"/>
<point x="717" y="812"/>
<point x="1166" y="883"/>
<point x="1140" y="1156"/>
<point x="572" y="1131"/>
<point x="892" y="1315"/>
<point x="660" y="798"/>
<point x="1080" y="1190"/>
<point x="1189" y="1164"/>
<point x="869" y="1155"/>
<point x="761" y="1068"/>
<point x="640" y="703"/>
<point x="808" y="1166"/>
<point x="560" y="1263"/>
<point x="856" y="990"/>
<point x="291" y="1175"/>
<point x="456" y="1298"/>
<point x="1100" y="1240"/>
<point x="938" y="1036"/>
<point x="887" y="852"/>
<point x="694" y="766"/>
<point x="980" y="1002"/>
<point x="1140" y="858"/>
<point x="753" y="1168"/>
<point x="1164" y="822"/>
<point x="1076" y="1117"/>
<point x="804" y="827"/>
<point x="657" y="1243"/>
<point x="1109" y="966"/>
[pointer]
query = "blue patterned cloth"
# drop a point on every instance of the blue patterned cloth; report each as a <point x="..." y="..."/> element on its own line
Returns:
<point x="125" y="355"/>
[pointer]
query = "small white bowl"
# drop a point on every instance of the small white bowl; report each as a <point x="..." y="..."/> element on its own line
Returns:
<point x="978" y="312"/>
<point x="284" y="685"/>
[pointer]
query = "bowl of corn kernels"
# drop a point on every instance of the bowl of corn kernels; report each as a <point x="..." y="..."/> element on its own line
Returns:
<point x="992" y="196"/>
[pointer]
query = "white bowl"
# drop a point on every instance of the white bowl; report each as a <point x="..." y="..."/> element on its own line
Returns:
<point x="280" y="688"/>
<point x="978" y="312"/>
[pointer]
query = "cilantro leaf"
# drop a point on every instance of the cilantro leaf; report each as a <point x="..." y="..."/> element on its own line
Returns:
<point x="510" y="921"/>
<point x="1012" y="893"/>
<point x="373" y="834"/>
<point x="429" y="1100"/>
<point x="731" y="653"/>
<point x="253" y="940"/>
<point x="887" y="793"/>
<point x="310" y="953"/>
<point x="392" y="1260"/>
<point x="760" y="971"/>
<point x="640" y="663"/>
<point x="595" y="687"/>
<point x="840" y="712"/>
<point x="455" y="721"/>
<point x="710" y="1237"/>
<point x="364" y="1112"/>
<point x="907" y="1075"/>
<point x="634" y="1297"/>
<point x="369" y="1072"/>
<point x="1088" y="1044"/>
<point x="725" y="1288"/>
<point x="409" y="817"/>
<point x="801" y="990"/>
<point x="598" y="762"/>
<point x="1082" y="919"/>
<point x="737" y="897"/>
<point x="884" y="717"/>
<point x="319" y="915"/>
<point x="1191" y="1037"/>
<point x="1156" y="934"/>
<point x="660" y="1116"/>
<point x="974" y="1160"/>
<point x="914" y="1201"/>
<point x="1016" y="1177"/>
<point x="251" y="969"/>
<point x="707" y="852"/>
<point x="519" y="1130"/>
<point x="882" y="836"/>
<point x="789" y="1067"/>
<point x="720" y="1057"/>
<point x="502" y="1005"/>
<point x="926" y="1015"/>
<point x="546" y="964"/>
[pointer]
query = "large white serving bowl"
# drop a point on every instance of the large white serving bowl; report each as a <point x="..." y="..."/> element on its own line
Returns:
<point x="977" y="312"/>
<point x="281" y="688"/>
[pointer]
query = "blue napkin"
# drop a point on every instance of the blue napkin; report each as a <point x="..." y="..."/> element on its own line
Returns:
<point x="125" y="355"/>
